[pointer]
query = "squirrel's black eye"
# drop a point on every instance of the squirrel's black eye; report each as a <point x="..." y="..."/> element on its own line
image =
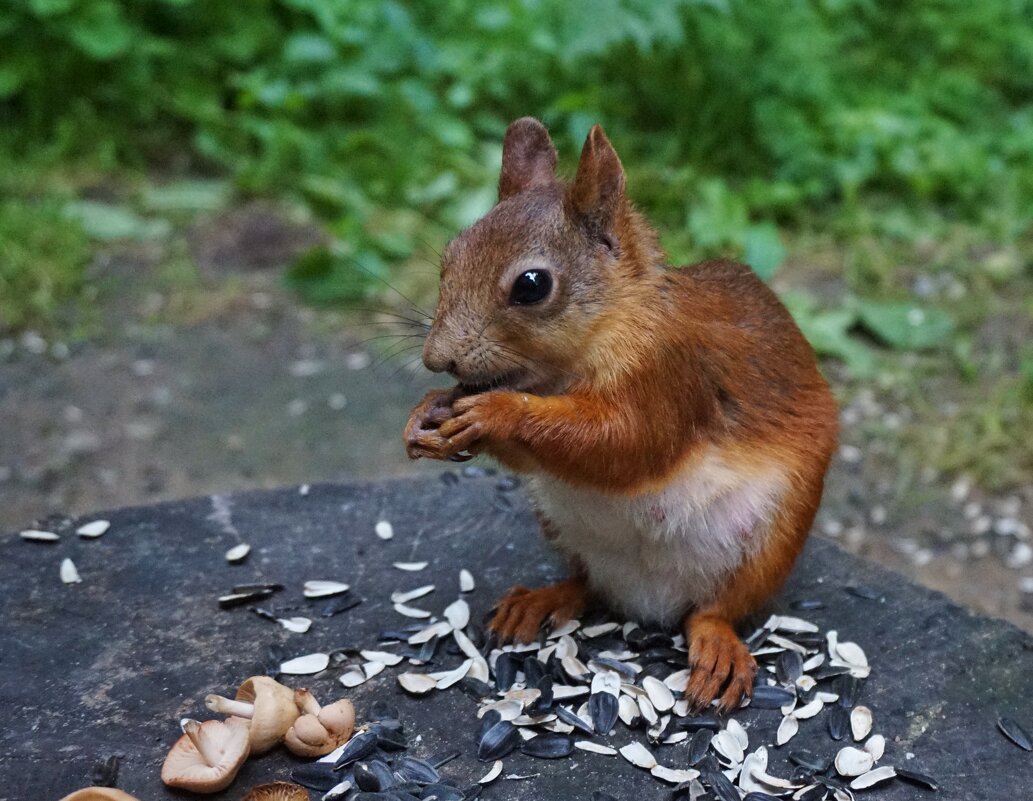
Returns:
<point x="530" y="287"/>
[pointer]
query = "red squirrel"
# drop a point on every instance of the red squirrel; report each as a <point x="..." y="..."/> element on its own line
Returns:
<point x="673" y="424"/>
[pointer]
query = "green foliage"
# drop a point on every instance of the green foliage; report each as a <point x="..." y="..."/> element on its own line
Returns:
<point x="42" y="263"/>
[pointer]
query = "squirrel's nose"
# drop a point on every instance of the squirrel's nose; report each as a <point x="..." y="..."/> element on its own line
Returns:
<point x="435" y="360"/>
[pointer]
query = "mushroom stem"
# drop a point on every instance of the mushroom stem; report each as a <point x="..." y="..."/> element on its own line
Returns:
<point x="192" y="729"/>
<point x="225" y="706"/>
<point x="306" y="702"/>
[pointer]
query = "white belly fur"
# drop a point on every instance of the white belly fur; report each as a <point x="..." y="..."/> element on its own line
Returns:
<point x="655" y="555"/>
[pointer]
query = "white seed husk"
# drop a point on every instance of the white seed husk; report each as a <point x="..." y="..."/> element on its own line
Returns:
<point x="93" y="529"/>
<point x="727" y="745"/>
<point x="238" y="553"/>
<point x="411" y="567"/>
<point x="371" y="669"/>
<point x="876" y="746"/>
<point x="607" y="682"/>
<point x="450" y="677"/>
<point x="739" y="733"/>
<point x="595" y="748"/>
<point x="678" y="681"/>
<point x="809" y="710"/>
<point x="466" y="644"/>
<point x="36" y="535"/>
<point x="69" y="573"/>
<point x="852" y="761"/>
<point x="860" y="722"/>
<point x="411" y="611"/>
<point x="645" y="708"/>
<point x="564" y="629"/>
<point x="794" y="625"/>
<point x="492" y="774"/>
<point x="852" y="654"/>
<point x="458" y="614"/>
<point x="638" y="755"/>
<point x="305" y="665"/>
<point x="386" y="657"/>
<point x="440" y="629"/>
<point x="353" y="676"/>
<point x="659" y="694"/>
<point x="872" y="777"/>
<point x="299" y="625"/>
<point x="479" y="669"/>
<point x="466" y="582"/>
<point x="417" y="683"/>
<point x="599" y="630"/>
<point x="563" y="691"/>
<point x="400" y="597"/>
<point x="384" y="530"/>
<point x="672" y="775"/>
<point x="324" y="589"/>
<point x="787" y="730"/>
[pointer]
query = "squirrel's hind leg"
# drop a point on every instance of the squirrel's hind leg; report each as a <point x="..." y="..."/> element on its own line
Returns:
<point x="522" y="612"/>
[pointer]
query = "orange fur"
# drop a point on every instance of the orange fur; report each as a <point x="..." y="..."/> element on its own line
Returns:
<point x="627" y="373"/>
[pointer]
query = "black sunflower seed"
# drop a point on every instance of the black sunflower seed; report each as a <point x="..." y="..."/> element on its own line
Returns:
<point x="1014" y="732"/>
<point x="807" y="604"/>
<point x="574" y="720"/>
<point x="315" y="776"/>
<point x="420" y="771"/>
<point x="658" y="670"/>
<point x="389" y="739"/>
<point x="475" y="688"/>
<point x="490" y="718"/>
<point x="758" y="796"/>
<point x="543" y="703"/>
<point x="265" y="614"/>
<point x="768" y="697"/>
<point x="373" y="776"/>
<point x="789" y="667"/>
<point x="548" y="746"/>
<point x="437" y="760"/>
<point x="838" y="722"/>
<point x="721" y="785"/>
<point x="442" y="792"/>
<point x="914" y="777"/>
<point x="498" y="741"/>
<point x="506" y="671"/>
<point x="826" y="672"/>
<point x="341" y="603"/>
<point x="809" y="760"/>
<point x="699" y="745"/>
<point x="472" y="792"/>
<point x="754" y="640"/>
<point x="374" y="797"/>
<point x="233" y="599"/>
<point x="105" y="772"/>
<point x="867" y="593"/>
<point x="696" y="723"/>
<point x="602" y="707"/>
<point x="817" y="793"/>
<point x="358" y="747"/>
<point x="617" y="666"/>
<point x="534" y="671"/>
<point x="849" y="689"/>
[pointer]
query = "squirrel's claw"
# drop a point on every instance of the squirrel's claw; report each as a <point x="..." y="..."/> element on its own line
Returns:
<point x="520" y="615"/>
<point x="718" y="659"/>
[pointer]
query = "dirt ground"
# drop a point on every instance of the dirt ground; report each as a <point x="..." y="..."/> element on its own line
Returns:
<point x="224" y="381"/>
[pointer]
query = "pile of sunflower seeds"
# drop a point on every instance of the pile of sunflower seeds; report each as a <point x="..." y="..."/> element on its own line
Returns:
<point x="609" y="689"/>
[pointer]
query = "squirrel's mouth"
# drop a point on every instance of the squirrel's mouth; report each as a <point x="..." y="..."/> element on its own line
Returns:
<point x="505" y="381"/>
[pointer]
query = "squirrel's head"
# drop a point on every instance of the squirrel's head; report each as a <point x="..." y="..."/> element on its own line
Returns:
<point x="525" y="289"/>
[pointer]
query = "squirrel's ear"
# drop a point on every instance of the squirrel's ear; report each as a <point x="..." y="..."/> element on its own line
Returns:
<point x="528" y="157"/>
<point x="598" y="187"/>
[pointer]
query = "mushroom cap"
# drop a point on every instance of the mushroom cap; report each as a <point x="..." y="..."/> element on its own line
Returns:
<point x="275" y="711"/>
<point x="318" y="735"/>
<point x="277" y="791"/>
<point x="227" y="745"/>
<point x="99" y="794"/>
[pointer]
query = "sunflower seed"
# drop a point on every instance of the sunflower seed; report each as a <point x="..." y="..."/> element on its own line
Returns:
<point x="440" y="629"/>
<point x="411" y="595"/>
<point x="875" y="746"/>
<point x="914" y="777"/>
<point x="793" y="625"/>
<point x="852" y="761"/>
<point x="371" y="669"/>
<point x="606" y="683"/>
<point x="722" y="786"/>
<point x="872" y="777"/>
<point x="659" y="694"/>
<point x="337" y="792"/>
<point x="238" y="553"/>
<point x="323" y="589"/>
<point x="411" y="611"/>
<point x="808" y="711"/>
<point x="838" y="720"/>
<point x="867" y="593"/>
<point x="384" y="530"/>
<point x="466" y="582"/>
<point x="498" y="741"/>
<point x="807" y="604"/>
<point x="591" y="632"/>
<point x="1014" y="732"/>
<point x="548" y="746"/>
<point x="492" y="774"/>
<point x="787" y="730"/>
<point x="449" y="677"/>
<point x="672" y="775"/>
<point x="603" y="709"/>
<point x="789" y="667"/>
<point x="358" y="747"/>
<point x="734" y="728"/>
<point x="93" y="529"/>
<point x="458" y="614"/>
<point x="595" y="748"/>
<point x="69" y="573"/>
<point x="35" y="535"/>
<point x="810" y="761"/>
<point x="638" y="755"/>
<point x="352" y="676"/>
<point x="299" y="625"/>
<point x="305" y="665"/>
<point x="411" y="567"/>
<point x="860" y="722"/>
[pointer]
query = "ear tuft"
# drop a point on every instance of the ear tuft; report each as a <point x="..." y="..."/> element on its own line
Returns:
<point x="598" y="187"/>
<point x="528" y="158"/>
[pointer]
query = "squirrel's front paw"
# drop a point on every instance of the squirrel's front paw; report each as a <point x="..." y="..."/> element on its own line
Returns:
<point x="476" y="420"/>
<point x="422" y="435"/>
<point x="721" y="665"/>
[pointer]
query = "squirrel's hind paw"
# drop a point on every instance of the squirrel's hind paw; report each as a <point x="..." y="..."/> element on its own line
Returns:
<point x="521" y="614"/>
<point x="719" y="660"/>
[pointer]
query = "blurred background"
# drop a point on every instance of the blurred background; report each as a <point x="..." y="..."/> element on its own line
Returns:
<point x="218" y="221"/>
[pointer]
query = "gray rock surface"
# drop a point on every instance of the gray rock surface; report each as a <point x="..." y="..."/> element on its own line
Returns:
<point x="108" y="666"/>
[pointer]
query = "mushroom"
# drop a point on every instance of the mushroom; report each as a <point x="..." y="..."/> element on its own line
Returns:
<point x="99" y="794"/>
<point x="208" y="755"/>
<point x="277" y="791"/>
<point x="266" y="703"/>
<point x="319" y="730"/>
